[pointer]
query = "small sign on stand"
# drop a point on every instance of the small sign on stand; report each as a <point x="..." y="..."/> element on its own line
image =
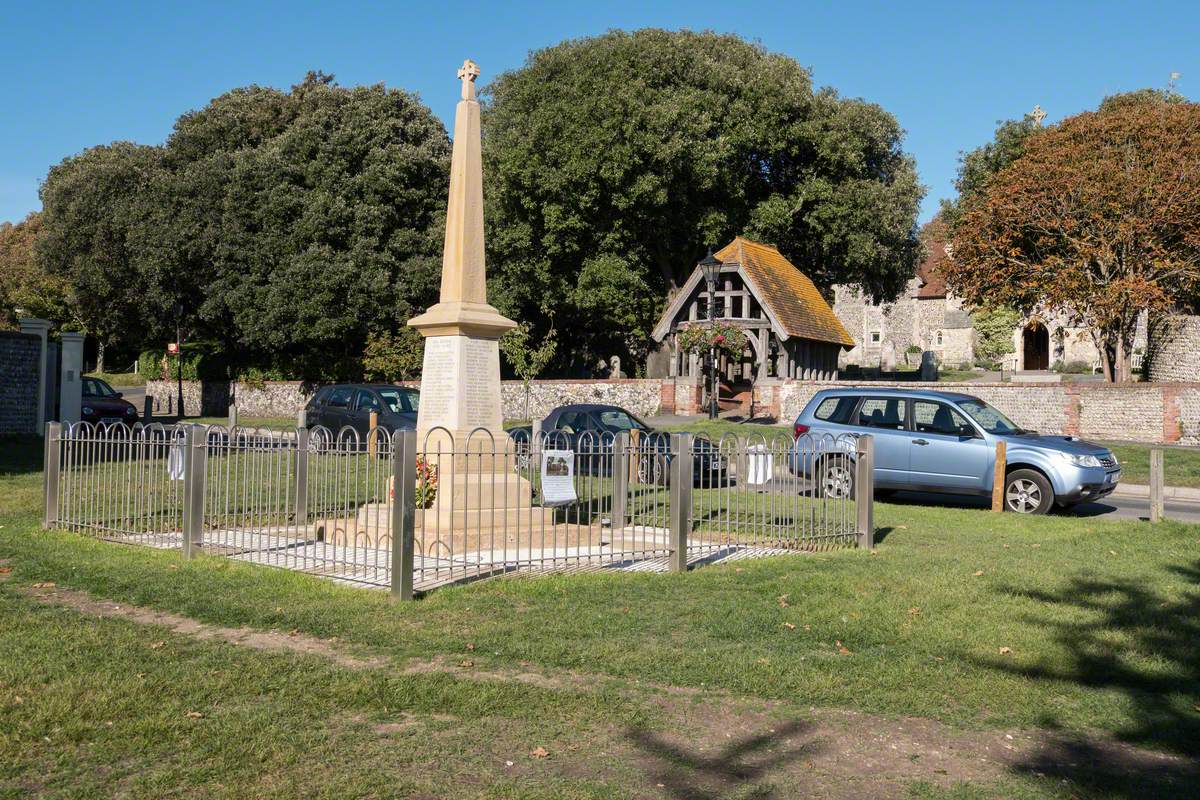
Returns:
<point x="558" y="477"/>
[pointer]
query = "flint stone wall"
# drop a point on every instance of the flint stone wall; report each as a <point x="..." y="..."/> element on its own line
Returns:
<point x="1140" y="412"/>
<point x="19" y="354"/>
<point x="285" y="398"/>
<point x="1174" y="349"/>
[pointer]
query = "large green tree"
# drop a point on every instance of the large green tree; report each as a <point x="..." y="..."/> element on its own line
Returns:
<point x="94" y="205"/>
<point x="285" y="227"/>
<point x="612" y="162"/>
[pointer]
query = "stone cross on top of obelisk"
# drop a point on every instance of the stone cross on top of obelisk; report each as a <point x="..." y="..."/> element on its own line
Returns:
<point x="467" y="73"/>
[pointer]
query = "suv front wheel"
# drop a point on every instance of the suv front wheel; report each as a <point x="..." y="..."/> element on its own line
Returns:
<point x="1027" y="491"/>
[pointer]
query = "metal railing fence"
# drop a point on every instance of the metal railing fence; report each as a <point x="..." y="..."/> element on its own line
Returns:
<point x="387" y="510"/>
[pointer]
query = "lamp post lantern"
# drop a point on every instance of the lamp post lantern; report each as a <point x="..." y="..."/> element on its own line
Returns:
<point x="711" y="268"/>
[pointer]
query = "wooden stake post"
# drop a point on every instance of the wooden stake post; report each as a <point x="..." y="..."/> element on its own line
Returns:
<point x="998" y="478"/>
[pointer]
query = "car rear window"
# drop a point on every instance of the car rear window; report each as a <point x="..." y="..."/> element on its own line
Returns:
<point x="836" y="410"/>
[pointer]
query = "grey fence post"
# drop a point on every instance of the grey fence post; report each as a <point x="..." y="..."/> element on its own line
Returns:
<point x="233" y="421"/>
<point x="1156" y="485"/>
<point x="741" y="464"/>
<point x="302" y="418"/>
<point x="864" y="491"/>
<point x="195" y="458"/>
<point x="681" y="499"/>
<point x="404" y="512"/>
<point x="620" y="480"/>
<point x="147" y="409"/>
<point x="537" y="443"/>
<point x="50" y="469"/>
<point x="302" y="435"/>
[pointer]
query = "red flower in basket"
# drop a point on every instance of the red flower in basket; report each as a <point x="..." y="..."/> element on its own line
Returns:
<point x="718" y="339"/>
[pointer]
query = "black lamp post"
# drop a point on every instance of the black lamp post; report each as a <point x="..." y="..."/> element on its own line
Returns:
<point x="711" y="268"/>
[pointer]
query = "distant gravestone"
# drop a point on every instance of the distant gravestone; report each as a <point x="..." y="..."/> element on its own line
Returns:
<point x="929" y="368"/>
<point x="887" y="357"/>
<point x="615" y="363"/>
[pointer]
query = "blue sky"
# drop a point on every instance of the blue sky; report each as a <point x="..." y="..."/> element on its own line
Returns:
<point x="83" y="74"/>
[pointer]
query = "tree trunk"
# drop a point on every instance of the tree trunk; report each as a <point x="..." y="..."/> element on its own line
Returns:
<point x="1121" y="372"/>
<point x="99" y="355"/>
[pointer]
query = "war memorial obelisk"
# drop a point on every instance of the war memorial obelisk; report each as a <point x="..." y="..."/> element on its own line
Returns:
<point x="459" y="423"/>
<point x="460" y="378"/>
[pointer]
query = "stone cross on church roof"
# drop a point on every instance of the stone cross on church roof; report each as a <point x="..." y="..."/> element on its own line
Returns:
<point x="1038" y="115"/>
<point x="467" y="73"/>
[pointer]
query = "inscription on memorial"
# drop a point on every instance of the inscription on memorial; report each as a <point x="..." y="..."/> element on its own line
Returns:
<point x="460" y="386"/>
<point x="437" y="380"/>
<point x="481" y="389"/>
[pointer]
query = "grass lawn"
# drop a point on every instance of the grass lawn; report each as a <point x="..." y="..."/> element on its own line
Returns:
<point x="1181" y="465"/>
<point x="899" y="673"/>
<point x="118" y="379"/>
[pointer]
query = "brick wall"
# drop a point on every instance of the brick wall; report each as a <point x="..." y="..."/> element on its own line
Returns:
<point x="19" y="354"/>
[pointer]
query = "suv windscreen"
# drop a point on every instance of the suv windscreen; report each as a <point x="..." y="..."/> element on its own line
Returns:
<point x="882" y="412"/>
<point x="320" y="397"/>
<point x="989" y="417"/>
<point x="836" y="410"/>
<point x="399" y="401"/>
<point x="614" y="419"/>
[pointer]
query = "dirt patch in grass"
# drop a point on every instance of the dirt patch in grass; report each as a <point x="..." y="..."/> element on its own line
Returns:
<point x="708" y="744"/>
<point x="268" y="641"/>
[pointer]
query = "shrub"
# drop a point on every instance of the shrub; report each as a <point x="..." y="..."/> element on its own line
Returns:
<point x="1072" y="367"/>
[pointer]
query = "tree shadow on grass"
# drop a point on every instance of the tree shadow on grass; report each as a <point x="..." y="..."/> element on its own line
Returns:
<point x="692" y="775"/>
<point x="1145" y="646"/>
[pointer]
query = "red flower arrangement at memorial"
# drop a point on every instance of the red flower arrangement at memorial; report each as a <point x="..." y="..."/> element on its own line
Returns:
<point x="427" y="484"/>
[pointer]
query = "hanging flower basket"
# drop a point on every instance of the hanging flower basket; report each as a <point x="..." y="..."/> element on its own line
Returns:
<point x="700" y="337"/>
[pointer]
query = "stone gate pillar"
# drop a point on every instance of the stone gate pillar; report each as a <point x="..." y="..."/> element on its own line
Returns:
<point x="39" y="328"/>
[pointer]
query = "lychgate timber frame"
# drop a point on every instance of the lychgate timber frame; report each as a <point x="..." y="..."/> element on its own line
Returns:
<point x="791" y="332"/>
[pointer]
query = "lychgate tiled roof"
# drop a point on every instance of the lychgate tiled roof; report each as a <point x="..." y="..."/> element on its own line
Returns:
<point x="788" y="294"/>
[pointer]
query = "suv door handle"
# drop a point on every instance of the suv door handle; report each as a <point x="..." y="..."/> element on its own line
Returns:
<point x="920" y="442"/>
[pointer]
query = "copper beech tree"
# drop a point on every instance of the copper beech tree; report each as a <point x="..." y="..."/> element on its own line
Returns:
<point x="1099" y="219"/>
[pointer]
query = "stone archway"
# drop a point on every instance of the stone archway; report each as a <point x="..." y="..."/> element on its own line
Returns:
<point x="1035" y="340"/>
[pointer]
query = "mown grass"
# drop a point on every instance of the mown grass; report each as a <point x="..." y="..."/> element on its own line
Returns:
<point x="119" y="380"/>
<point x="983" y="621"/>
<point x="1181" y="465"/>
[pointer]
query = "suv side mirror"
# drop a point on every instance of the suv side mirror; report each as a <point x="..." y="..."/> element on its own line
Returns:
<point x="966" y="430"/>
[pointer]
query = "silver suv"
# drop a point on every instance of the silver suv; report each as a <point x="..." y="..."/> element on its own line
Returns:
<point x="929" y="441"/>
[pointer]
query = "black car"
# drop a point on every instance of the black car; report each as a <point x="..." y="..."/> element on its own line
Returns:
<point x="349" y="405"/>
<point x="101" y="404"/>
<point x="590" y="429"/>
